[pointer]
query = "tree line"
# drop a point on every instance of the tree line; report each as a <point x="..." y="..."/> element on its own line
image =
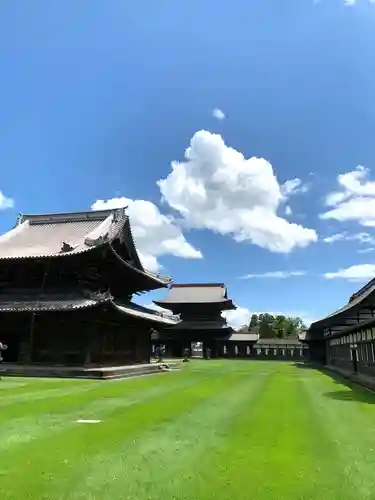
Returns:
<point x="270" y="326"/>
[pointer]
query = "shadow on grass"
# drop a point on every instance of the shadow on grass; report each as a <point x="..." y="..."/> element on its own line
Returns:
<point x="356" y="394"/>
<point x="354" y="391"/>
<point x="306" y="365"/>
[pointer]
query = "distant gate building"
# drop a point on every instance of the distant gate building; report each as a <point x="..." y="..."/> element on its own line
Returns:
<point x="199" y="306"/>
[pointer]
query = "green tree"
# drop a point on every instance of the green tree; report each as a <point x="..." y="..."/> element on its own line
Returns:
<point x="253" y="321"/>
<point x="280" y="326"/>
<point x="266" y="326"/>
<point x="294" y="325"/>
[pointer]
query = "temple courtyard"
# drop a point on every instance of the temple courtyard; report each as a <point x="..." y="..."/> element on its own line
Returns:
<point x="213" y="430"/>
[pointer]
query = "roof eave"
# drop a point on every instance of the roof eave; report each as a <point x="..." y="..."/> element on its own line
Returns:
<point x="161" y="281"/>
<point x="164" y="303"/>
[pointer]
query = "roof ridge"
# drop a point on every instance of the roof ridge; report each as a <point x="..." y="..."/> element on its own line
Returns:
<point x="198" y="285"/>
<point x="68" y="216"/>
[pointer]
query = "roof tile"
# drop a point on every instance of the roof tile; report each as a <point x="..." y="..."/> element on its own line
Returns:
<point x="34" y="301"/>
<point x="46" y="235"/>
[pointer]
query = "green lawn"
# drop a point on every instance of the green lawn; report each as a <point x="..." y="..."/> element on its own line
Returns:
<point x="214" y="430"/>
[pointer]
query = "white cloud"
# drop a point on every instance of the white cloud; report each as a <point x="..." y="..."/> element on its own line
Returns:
<point x="355" y="201"/>
<point x="366" y="250"/>
<point x="354" y="2"/>
<point x="218" y="114"/>
<point x="155" y="234"/>
<point x="358" y="272"/>
<point x="293" y="186"/>
<point x="347" y="3"/>
<point x="217" y="188"/>
<point x="362" y="238"/>
<point x="288" y="210"/>
<point x="238" y="317"/>
<point x="334" y="238"/>
<point x="5" y="202"/>
<point x="276" y="274"/>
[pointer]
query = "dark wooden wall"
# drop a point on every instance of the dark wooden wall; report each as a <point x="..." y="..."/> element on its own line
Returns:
<point x="75" y="338"/>
<point x="353" y="351"/>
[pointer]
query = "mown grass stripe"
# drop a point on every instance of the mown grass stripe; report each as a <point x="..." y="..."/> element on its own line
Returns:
<point x="279" y="447"/>
<point x="347" y="415"/>
<point x="63" y="456"/>
<point x="38" y="425"/>
<point x="63" y="398"/>
<point x="217" y="430"/>
<point x="158" y="463"/>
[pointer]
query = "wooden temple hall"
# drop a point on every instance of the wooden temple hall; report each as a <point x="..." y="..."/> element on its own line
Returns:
<point x="66" y="288"/>
<point x="345" y="339"/>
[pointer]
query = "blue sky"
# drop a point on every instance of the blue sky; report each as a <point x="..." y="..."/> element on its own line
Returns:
<point x="98" y="98"/>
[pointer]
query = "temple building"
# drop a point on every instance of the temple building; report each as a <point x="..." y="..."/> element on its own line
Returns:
<point x="345" y="339"/>
<point x="199" y="307"/>
<point x="66" y="287"/>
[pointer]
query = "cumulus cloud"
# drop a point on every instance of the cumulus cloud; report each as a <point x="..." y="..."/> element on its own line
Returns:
<point x="276" y="274"/>
<point x="355" y="200"/>
<point x="217" y="188"/>
<point x="238" y="317"/>
<point x="358" y="272"/>
<point x="218" y="114"/>
<point x="155" y="234"/>
<point x="5" y="202"/>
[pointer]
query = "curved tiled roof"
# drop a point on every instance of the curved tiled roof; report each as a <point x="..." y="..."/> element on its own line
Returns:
<point x="56" y="235"/>
<point x="68" y="234"/>
<point x="35" y="301"/>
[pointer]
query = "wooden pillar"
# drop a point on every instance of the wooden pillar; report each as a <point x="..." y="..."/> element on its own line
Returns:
<point x="230" y="347"/>
<point x="26" y="347"/>
<point x="220" y="349"/>
<point x="142" y="351"/>
<point x="88" y="358"/>
<point x="25" y="350"/>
